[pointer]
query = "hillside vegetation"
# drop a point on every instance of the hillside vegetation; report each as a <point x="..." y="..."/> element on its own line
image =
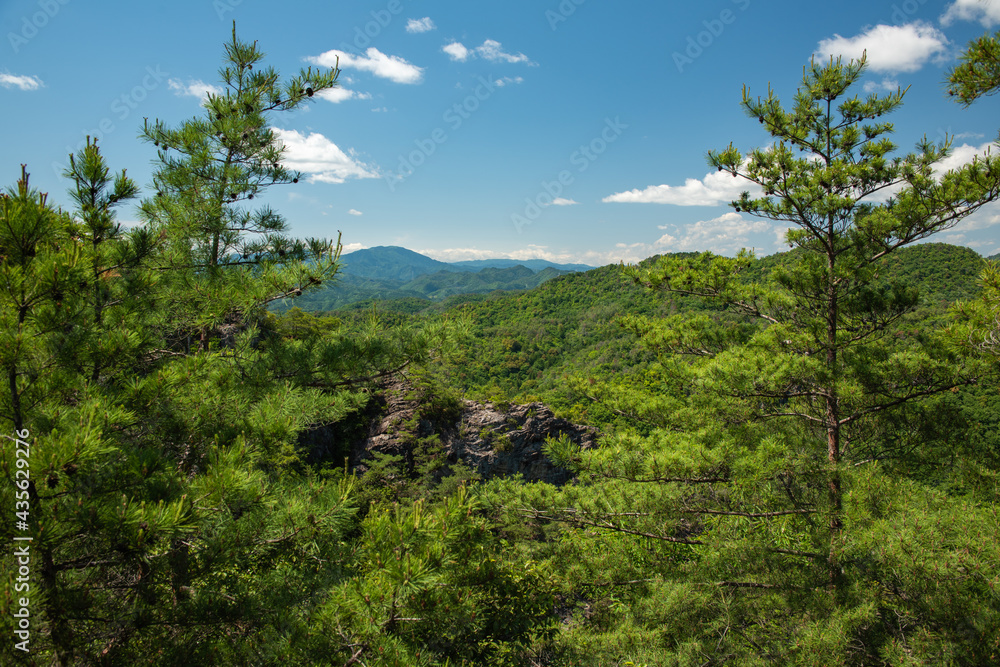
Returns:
<point x="393" y="273"/>
<point x="347" y="290"/>
<point x="789" y="460"/>
<point x="524" y="345"/>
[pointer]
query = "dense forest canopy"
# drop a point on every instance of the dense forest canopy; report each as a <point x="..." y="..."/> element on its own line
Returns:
<point x="798" y="456"/>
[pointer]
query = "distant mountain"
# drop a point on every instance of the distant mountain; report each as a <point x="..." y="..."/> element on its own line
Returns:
<point x="347" y="289"/>
<point x="533" y="264"/>
<point x="443" y="284"/>
<point x="387" y="273"/>
<point x="395" y="263"/>
<point x="390" y="262"/>
<point x="943" y="273"/>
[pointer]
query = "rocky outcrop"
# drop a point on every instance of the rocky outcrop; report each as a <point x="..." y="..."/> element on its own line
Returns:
<point x="509" y="441"/>
<point x="491" y="439"/>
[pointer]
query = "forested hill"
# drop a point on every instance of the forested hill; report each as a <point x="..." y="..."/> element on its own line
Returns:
<point x="526" y="342"/>
<point x="942" y="272"/>
<point x="390" y="273"/>
<point x="786" y="461"/>
<point x="348" y="290"/>
<point x="391" y="263"/>
<point x="396" y="263"/>
<point x="405" y="280"/>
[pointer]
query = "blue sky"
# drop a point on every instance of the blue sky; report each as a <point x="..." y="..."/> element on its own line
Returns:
<point x="570" y="130"/>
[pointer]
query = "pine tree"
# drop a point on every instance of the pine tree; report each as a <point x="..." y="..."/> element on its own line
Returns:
<point x="211" y="170"/>
<point x="41" y="267"/>
<point x="827" y="315"/>
<point x="767" y="501"/>
<point x="119" y="283"/>
<point x="95" y="509"/>
<point x="978" y="75"/>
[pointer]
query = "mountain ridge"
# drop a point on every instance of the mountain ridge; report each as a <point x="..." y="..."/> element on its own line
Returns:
<point x="399" y="263"/>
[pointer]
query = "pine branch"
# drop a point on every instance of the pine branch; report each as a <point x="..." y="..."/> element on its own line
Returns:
<point x="583" y="522"/>
<point x="749" y="515"/>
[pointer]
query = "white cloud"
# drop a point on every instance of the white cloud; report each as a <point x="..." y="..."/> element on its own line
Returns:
<point x="193" y="88"/>
<point x="986" y="217"/>
<point x="461" y="254"/>
<point x="530" y="251"/>
<point x="561" y="201"/>
<point x="338" y="95"/>
<point x="621" y="252"/>
<point x="887" y="84"/>
<point x="987" y="12"/>
<point x="351" y="247"/>
<point x="890" y="48"/>
<point x="354" y="211"/>
<point x="490" y="50"/>
<point x="319" y="158"/>
<point x="779" y="237"/>
<point x="8" y="80"/>
<point x="629" y="253"/>
<point x="393" y="68"/>
<point x="493" y="51"/>
<point x="718" y="187"/>
<point x="508" y="80"/>
<point x="420" y="25"/>
<point x="456" y="51"/>
<point x="723" y="235"/>
<point x="961" y="155"/>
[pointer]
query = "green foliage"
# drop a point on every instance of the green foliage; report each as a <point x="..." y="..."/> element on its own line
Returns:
<point x="211" y="168"/>
<point x="42" y="272"/>
<point x="424" y="289"/>
<point x="978" y="74"/>
<point x="979" y="321"/>
<point x="789" y="433"/>
<point x="173" y="517"/>
<point x="799" y="463"/>
<point x="429" y="589"/>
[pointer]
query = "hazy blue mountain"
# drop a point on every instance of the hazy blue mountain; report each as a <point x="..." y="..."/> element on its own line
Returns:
<point x="395" y="263"/>
<point x="440" y="285"/>
<point x="390" y="262"/>
<point x="533" y="264"/>
<point x="942" y="272"/>
<point x="348" y="288"/>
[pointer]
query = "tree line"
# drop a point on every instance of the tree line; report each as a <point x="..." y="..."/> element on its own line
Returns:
<point x="798" y="466"/>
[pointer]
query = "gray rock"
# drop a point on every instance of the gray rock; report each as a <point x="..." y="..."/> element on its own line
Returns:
<point x="493" y="440"/>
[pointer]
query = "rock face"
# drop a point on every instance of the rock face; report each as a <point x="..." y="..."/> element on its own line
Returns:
<point x="491" y="439"/>
<point x="509" y="442"/>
